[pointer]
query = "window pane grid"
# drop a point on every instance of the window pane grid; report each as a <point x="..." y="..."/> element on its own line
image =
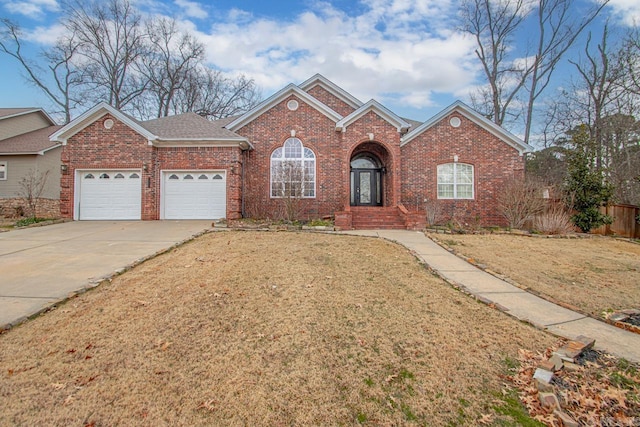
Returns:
<point x="293" y="170"/>
<point x="455" y="181"/>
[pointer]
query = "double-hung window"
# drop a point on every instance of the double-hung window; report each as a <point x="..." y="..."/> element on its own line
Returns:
<point x="455" y="181"/>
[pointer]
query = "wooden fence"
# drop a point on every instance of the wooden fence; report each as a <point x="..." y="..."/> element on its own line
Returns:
<point x="624" y="221"/>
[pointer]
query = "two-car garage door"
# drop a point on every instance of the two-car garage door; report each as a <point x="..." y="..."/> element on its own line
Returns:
<point x="117" y="195"/>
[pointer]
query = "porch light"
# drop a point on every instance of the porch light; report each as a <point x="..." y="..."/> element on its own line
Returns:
<point x="63" y="168"/>
<point x="145" y="167"/>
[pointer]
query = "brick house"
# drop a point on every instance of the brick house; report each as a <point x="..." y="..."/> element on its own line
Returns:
<point x="313" y="144"/>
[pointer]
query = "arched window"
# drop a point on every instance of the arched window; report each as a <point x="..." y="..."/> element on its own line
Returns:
<point x="293" y="170"/>
<point x="455" y="181"/>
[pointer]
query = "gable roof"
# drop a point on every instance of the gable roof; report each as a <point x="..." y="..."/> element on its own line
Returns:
<point x="93" y="114"/>
<point x="34" y="142"/>
<point x="466" y="111"/>
<point x="182" y="128"/>
<point x="329" y="86"/>
<point x="6" y="113"/>
<point x="377" y="108"/>
<point x="275" y="99"/>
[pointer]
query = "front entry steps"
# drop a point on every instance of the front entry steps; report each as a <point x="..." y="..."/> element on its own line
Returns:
<point x="377" y="217"/>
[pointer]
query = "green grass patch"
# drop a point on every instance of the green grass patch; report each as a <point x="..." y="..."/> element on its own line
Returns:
<point x="320" y="223"/>
<point x="513" y="408"/>
<point x="28" y="221"/>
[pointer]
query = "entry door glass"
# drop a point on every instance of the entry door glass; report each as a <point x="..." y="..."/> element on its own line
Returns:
<point x="365" y="187"/>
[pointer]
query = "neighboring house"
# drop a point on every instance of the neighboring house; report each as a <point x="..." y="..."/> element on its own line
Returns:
<point x="26" y="151"/>
<point x="313" y="142"/>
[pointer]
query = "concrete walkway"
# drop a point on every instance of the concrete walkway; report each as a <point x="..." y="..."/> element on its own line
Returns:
<point x="513" y="300"/>
<point x="41" y="266"/>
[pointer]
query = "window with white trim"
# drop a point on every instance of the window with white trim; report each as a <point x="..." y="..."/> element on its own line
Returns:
<point x="3" y="171"/>
<point x="455" y="181"/>
<point x="293" y="170"/>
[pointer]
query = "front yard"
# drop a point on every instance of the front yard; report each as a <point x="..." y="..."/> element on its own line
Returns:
<point x="259" y="328"/>
<point x="596" y="275"/>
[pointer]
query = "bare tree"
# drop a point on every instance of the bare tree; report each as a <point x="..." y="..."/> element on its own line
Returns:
<point x="631" y="59"/>
<point x="67" y="78"/>
<point x="111" y="42"/>
<point x="110" y="54"/>
<point x="211" y="94"/>
<point x="171" y="59"/>
<point x="600" y="101"/>
<point x="494" y="26"/>
<point x="558" y="29"/>
<point x="288" y="183"/>
<point x="510" y="72"/>
<point x="32" y="185"/>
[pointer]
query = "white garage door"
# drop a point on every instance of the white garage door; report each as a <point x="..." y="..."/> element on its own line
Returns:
<point x="194" y="195"/>
<point x="109" y="194"/>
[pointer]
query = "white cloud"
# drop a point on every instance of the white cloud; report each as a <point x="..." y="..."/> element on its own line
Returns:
<point x="192" y="9"/>
<point x="397" y="51"/>
<point x="46" y="35"/>
<point x="628" y="11"/>
<point x="32" y="8"/>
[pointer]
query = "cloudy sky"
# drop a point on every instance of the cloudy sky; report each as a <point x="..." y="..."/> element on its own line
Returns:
<point x="406" y="54"/>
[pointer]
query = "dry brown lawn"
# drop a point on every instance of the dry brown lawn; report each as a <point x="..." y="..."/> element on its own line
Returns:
<point x="595" y="274"/>
<point x="265" y="328"/>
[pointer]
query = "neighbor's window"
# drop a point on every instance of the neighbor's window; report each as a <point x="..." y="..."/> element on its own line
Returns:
<point x="3" y="171"/>
<point x="455" y="181"/>
<point x="293" y="170"/>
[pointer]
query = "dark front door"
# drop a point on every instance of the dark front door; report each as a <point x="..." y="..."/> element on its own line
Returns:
<point x="366" y="187"/>
<point x="366" y="182"/>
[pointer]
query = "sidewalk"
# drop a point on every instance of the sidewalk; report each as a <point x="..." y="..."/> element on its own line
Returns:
<point x="512" y="300"/>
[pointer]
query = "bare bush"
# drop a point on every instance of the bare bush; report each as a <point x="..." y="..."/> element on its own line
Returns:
<point x="554" y="220"/>
<point x="520" y="200"/>
<point x="434" y="211"/>
<point x="31" y="187"/>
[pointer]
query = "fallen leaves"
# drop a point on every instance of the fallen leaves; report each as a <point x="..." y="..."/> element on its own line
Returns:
<point x="209" y="405"/>
<point x="589" y="393"/>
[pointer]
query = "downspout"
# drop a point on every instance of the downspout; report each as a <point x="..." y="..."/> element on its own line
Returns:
<point x="242" y="209"/>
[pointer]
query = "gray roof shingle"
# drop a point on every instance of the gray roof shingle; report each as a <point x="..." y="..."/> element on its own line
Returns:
<point x="30" y="142"/>
<point x="7" y="112"/>
<point x="189" y="126"/>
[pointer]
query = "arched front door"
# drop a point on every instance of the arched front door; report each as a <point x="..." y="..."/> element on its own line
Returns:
<point x="366" y="180"/>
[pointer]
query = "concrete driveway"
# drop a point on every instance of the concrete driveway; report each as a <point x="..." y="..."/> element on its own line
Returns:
<point x="43" y="265"/>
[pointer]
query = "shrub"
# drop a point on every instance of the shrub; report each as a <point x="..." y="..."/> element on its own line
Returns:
<point x="555" y="220"/>
<point x="586" y="188"/>
<point x="520" y="200"/>
<point x="434" y="211"/>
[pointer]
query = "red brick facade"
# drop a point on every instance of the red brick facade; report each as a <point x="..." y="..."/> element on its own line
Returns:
<point x="409" y="161"/>
<point x="120" y="147"/>
<point x="493" y="160"/>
